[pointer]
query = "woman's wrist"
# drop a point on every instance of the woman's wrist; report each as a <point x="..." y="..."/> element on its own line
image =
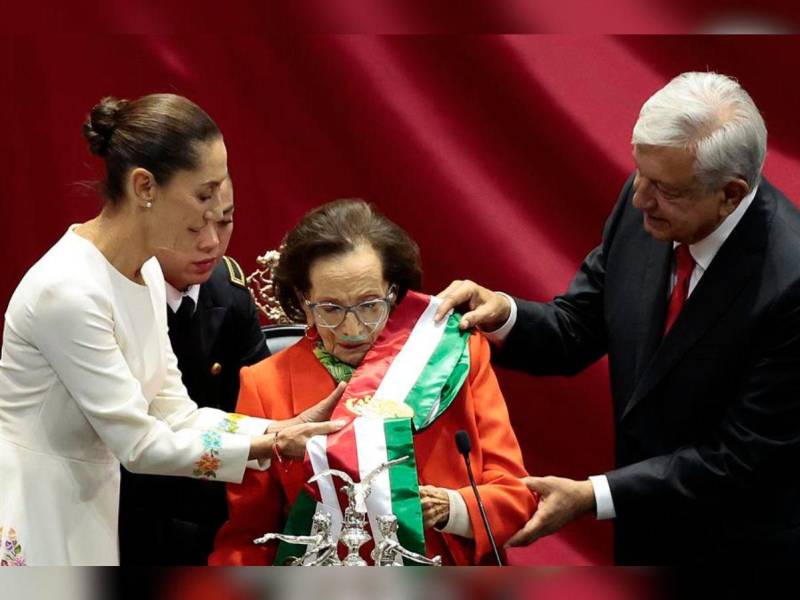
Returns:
<point x="276" y="448"/>
<point x="261" y="447"/>
<point x="275" y="426"/>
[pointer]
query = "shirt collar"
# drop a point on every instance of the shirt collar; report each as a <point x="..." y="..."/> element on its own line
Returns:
<point x="704" y="251"/>
<point x="174" y="296"/>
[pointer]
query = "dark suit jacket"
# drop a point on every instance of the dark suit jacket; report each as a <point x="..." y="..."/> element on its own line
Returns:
<point x="707" y="418"/>
<point x="173" y="520"/>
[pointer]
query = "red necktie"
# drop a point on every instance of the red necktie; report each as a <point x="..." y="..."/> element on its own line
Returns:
<point x="684" y="267"/>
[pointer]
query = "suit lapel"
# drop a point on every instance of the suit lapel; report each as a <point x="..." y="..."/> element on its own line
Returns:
<point x="737" y="260"/>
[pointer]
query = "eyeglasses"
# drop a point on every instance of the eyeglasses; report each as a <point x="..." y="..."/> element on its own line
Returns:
<point x="369" y="313"/>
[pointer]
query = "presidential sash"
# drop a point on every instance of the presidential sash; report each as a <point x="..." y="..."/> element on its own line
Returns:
<point x="407" y="379"/>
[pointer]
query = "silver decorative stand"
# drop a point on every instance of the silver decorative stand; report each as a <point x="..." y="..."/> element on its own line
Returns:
<point x="322" y="548"/>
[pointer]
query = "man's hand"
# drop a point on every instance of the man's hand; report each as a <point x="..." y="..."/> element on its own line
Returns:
<point x="487" y="309"/>
<point x="435" y="506"/>
<point x="560" y="501"/>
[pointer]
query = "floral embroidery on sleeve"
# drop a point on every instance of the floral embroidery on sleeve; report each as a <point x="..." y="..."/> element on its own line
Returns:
<point x="230" y="424"/>
<point x="207" y="466"/>
<point x="11" y="550"/>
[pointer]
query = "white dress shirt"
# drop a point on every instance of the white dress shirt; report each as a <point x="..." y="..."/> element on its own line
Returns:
<point x="703" y="252"/>
<point x="175" y="296"/>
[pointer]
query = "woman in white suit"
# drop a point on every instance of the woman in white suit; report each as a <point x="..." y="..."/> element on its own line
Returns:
<point x="88" y="379"/>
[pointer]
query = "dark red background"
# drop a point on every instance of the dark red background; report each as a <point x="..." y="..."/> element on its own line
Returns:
<point x="501" y="155"/>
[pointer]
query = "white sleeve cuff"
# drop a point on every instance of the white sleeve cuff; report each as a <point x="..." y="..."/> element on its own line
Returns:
<point x="458" y="522"/>
<point x="250" y="426"/>
<point x="602" y="497"/>
<point x="259" y="464"/>
<point x="225" y="456"/>
<point x="499" y="335"/>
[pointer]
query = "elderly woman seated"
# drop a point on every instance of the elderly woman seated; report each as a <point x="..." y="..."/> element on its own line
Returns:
<point x="348" y="272"/>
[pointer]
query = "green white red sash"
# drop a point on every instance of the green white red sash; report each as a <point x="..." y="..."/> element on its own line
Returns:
<point x="408" y="378"/>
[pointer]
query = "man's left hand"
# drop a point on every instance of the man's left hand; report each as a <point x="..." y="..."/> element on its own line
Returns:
<point x="560" y="501"/>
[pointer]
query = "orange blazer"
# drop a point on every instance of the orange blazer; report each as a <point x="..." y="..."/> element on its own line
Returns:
<point x="281" y="386"/>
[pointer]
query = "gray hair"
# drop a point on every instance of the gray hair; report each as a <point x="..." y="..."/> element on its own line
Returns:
<point x="712" y="115"/>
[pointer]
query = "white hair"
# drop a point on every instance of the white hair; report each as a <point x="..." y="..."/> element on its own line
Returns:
<point x="715" y="117"/>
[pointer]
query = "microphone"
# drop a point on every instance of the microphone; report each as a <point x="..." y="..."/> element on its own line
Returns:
<point x="464" y="446"/>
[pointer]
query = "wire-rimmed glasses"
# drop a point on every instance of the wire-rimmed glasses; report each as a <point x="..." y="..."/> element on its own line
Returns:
<point x="369" y="313"/>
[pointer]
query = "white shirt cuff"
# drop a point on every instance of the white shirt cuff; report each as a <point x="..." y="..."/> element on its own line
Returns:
<point x="499" y="335"/>
<point x="458" y="522"/>
<point x="602" y="497"/>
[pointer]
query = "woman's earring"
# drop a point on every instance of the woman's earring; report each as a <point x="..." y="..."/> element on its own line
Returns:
<point x="310" y="329"/>
<point x="148" y="204"/>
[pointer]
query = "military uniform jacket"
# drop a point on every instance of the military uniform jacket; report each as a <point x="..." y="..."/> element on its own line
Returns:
<point x="221" y="337"/>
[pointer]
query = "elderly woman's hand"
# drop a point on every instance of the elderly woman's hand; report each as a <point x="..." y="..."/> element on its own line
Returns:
<point x="435" y="506"/>
<point x="321" y="411"/>
<point x="291" y="435"/>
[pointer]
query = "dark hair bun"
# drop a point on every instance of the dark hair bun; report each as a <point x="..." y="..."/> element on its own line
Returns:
<point x="156" y="132"/>
<point x="100" y="124"/>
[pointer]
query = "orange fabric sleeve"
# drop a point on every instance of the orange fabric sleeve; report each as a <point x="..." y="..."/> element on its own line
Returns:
<point x="507" y="501"/>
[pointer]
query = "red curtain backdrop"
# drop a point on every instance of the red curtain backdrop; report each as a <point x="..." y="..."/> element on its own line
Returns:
<point x="400" y="16"/>
<point x="501" y="155"/>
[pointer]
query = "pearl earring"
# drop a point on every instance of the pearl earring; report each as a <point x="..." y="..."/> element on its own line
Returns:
<point x="149" y="204"/>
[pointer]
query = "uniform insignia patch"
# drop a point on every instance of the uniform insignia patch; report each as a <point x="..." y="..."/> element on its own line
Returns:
<point x="235" y="272"/>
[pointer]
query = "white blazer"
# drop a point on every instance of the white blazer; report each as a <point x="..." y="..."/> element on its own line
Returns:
<point x="88" y="380"/>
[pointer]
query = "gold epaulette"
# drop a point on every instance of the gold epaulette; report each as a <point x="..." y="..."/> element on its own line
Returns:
<point x="235" y="272"/>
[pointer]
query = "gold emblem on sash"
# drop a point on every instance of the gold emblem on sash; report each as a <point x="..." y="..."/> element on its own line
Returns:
<point x="386" y="409"/>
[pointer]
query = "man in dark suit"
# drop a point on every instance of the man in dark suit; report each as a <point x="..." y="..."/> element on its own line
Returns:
<point x="214" y="331"/>
<point x="694" y="294"/>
